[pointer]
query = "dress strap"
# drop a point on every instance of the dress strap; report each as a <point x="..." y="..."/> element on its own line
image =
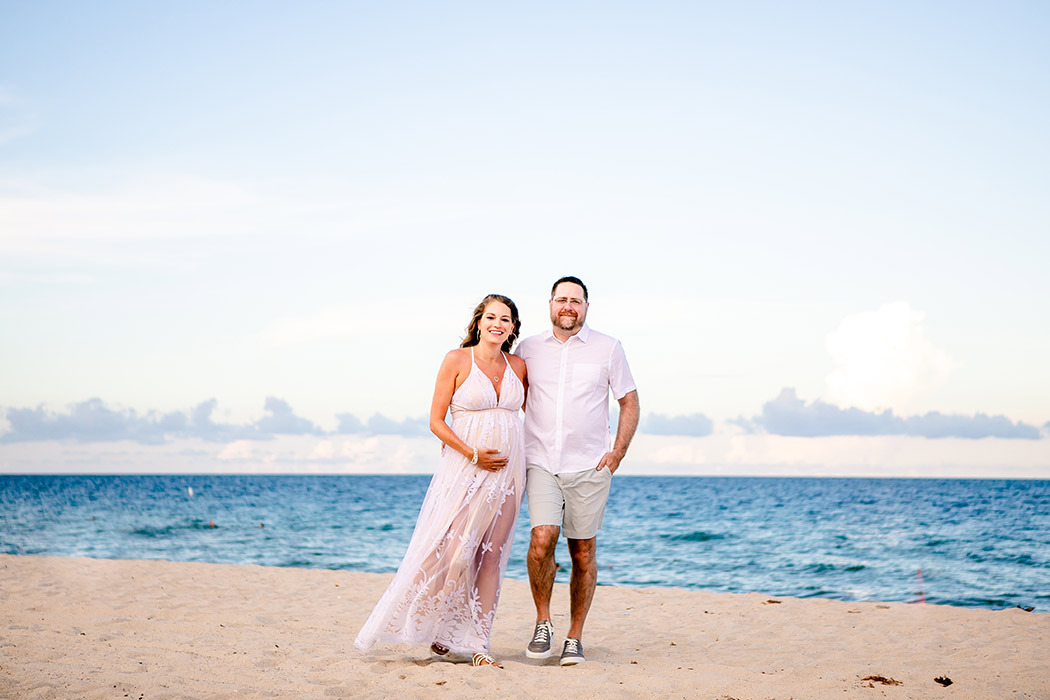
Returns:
<point x="508" y="368"/>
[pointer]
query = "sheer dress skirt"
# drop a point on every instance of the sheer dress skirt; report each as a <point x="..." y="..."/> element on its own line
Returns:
<point x="448" y="584"/>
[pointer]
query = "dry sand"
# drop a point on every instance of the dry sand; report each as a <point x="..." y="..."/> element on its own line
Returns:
<point x="85" y="628"/>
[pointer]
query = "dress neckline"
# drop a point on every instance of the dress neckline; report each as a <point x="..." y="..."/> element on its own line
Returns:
<point x="498" y="391"/>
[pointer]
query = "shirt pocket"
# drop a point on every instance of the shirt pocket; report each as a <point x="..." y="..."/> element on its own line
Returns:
<point x="585" y="376"/>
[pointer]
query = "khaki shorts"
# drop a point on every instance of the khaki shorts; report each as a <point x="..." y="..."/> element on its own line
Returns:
<point x="575" y="502"/>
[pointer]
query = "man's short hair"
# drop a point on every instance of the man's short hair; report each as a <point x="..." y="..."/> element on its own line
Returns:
<point x="571" y="280"/>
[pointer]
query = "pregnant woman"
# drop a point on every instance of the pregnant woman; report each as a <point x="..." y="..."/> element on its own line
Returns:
<point x="447" y="587"/>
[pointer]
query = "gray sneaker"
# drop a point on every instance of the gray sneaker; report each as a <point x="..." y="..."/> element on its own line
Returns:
<point x="540" y="646"/>
<point x="572" y="654"/>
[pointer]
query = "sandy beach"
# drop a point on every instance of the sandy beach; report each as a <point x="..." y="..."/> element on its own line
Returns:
<point x="85" y="628"/>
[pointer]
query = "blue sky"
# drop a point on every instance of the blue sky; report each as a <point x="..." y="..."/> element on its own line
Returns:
<point x="240" y="236"/>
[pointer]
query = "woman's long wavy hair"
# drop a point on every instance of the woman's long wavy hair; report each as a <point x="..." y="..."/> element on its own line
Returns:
<point x="474" y="332"/>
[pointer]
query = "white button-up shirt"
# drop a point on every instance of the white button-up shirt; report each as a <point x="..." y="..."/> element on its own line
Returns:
<point x="567" y="409"/>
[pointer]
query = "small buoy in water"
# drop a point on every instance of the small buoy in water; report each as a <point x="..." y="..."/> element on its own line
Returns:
<point x="211" y="523"/>
<point x="260" y="524"/>
<point x="189" y="490"/>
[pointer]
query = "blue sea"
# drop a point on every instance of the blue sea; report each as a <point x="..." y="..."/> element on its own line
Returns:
<point x="974" y="543"/>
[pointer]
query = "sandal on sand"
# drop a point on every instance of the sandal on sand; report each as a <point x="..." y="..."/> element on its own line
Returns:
<point x="480" y="659"/>
<point x="443" y="653"/>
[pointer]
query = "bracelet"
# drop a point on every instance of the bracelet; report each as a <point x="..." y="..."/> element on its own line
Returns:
<point x="475" y="459"/>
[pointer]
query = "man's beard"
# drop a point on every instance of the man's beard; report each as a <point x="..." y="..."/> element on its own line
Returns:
<point x="567" y="322"/>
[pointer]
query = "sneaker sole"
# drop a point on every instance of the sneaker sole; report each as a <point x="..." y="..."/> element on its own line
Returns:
<point x="538" y="654"/>
<point x="572" y="661"/>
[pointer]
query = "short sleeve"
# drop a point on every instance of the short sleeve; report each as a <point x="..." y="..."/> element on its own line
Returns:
<point x="523" y="348"/>
<point x="620" y="380"/>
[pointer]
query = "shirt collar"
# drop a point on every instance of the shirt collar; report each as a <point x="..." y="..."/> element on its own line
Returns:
<point x="583" y="334"/>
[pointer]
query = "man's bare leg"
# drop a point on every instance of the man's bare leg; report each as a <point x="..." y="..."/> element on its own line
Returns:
<point x="542" y="567"/>
<point x="581" y="584"/>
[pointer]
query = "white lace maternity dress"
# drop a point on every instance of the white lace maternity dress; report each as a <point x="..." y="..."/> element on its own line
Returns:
<point x="448" y="585"/>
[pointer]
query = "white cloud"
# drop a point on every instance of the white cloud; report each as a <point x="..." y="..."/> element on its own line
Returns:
<point x="733" y="454"/>
<point x="431" y="315"/>
<point x="282" y="420"/>
<point x="696" y="424"/>
<point x="42" y="219"/>
<point x="726" y="452"/>
<point x="95" y="421"/>
<point x="389" y="454"/>
<point x="363" y="449"/>
<point x="238" y="450"/>
<point x="323" y="450"/>
<point x="884" y="359"/>
<point x="789" y="415"/>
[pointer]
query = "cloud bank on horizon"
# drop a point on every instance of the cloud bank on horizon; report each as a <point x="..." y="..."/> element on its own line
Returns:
<point x="787" y="415"/>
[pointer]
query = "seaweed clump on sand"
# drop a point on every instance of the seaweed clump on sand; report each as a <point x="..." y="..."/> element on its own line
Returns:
<point x="881" y="679"/>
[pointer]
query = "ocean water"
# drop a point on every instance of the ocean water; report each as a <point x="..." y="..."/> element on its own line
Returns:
<point x="976" y="543"/>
